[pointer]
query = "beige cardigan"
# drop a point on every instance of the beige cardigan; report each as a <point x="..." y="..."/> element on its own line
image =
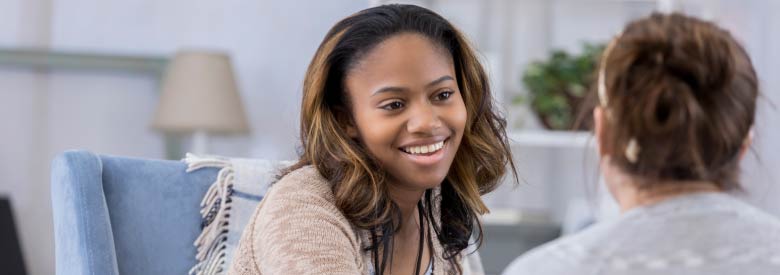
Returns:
<point x="297" y="229"/>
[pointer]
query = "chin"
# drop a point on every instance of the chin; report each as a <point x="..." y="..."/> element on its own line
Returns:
<point x="426" y="180"/>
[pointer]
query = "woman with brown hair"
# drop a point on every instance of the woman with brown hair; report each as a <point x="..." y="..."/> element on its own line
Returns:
<point x="676" y="104"/>
<point x="400" y="138"/>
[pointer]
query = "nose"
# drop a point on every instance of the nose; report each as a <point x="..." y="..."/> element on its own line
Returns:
<point x="424" y="119"/>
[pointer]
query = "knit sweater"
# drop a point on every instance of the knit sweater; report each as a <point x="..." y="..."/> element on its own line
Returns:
<point x="297" y="229"/>
<point x="706" y="233"/>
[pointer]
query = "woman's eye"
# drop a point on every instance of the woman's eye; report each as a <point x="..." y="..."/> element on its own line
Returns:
<point x="395" y="105"/>
<point x="443" y="95"/>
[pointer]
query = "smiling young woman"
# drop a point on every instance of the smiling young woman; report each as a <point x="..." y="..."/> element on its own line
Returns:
<point x="400" y="138"/>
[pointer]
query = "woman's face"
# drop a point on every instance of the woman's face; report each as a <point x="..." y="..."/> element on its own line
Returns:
<point x="408" y="110"/>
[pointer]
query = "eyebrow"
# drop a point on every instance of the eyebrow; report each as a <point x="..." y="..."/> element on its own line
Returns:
<point x="401" y="89"/>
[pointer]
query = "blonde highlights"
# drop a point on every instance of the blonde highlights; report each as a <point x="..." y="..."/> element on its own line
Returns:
<point x="358" y="180"/>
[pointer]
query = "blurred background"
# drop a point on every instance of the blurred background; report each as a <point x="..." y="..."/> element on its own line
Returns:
<point x="98" y="75"/>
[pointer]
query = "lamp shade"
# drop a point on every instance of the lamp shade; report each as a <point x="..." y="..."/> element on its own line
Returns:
<point x="199" y="93"/>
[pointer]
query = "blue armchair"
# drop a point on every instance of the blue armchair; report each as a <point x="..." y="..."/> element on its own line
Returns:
<point x="115" y="215"/>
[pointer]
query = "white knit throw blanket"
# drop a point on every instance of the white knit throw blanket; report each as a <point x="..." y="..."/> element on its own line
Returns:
<point x="227" y="206"/>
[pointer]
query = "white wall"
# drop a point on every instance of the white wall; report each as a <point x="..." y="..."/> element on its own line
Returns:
<point x="755" y="24"/>
<point x="271" y="43"/>
<point x="23" y="165"/>
<point x="45" y="112"/>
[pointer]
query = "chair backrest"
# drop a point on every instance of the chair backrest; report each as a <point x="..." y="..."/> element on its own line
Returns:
<point x="116" y="215"/>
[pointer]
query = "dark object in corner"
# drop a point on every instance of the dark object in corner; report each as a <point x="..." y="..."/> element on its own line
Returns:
<point x="11" y="262"/>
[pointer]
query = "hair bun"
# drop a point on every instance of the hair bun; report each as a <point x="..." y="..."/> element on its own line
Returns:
<point x="686" y="90"/>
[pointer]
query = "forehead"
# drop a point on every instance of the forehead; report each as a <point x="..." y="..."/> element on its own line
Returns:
<point x="403" y="58"/>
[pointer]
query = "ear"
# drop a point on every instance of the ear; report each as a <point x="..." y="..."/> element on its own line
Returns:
<point x="746" y="144"/>
<point x="599" y="124"/>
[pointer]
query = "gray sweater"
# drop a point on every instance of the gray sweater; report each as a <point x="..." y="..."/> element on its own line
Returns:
<point x="707" y="233"/>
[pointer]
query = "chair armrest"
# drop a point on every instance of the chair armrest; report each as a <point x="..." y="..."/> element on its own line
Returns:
<point x="82" y="228"/>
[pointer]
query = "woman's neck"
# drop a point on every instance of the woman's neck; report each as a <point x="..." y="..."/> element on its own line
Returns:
<point x="409" y="252"/>
<point x="635" y="197"/>
<point x="407" y="200"/>
<point x="631" y="192"/>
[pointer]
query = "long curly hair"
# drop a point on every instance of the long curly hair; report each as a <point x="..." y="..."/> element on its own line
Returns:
<point x="359" y="184"/>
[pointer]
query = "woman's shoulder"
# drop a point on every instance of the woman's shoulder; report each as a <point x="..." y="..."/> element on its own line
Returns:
<point x="577" y="253"/>
<point x="643" y="239"/>
<point x="547" y="259"/>
<point x="302" y="197"/>
<point x="297" y="229"/>
<point x="582" y="252"/>
<point x="305" y="181"/>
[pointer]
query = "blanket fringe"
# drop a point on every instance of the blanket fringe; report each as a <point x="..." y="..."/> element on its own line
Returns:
<point x="214" y="209"/>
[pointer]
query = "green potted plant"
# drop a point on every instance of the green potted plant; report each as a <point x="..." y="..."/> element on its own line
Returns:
<point x="557" y="86"/>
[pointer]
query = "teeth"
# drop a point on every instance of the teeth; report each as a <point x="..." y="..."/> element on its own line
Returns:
<point x="424" y="149"/>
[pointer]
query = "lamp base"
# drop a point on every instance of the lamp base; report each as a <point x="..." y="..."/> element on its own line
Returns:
<point x="200" y="142"/>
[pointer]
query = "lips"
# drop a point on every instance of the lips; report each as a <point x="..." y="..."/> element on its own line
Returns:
<point x="426" y="153"/>
<point x="423" y="149"/>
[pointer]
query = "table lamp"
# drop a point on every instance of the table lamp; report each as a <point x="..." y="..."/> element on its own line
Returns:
<point x="200" y="97"/>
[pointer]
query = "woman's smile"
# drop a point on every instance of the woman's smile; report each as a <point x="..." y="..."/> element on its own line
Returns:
<point x="426" y="153"/>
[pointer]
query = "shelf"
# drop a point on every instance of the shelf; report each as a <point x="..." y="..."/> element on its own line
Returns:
<point x="55" y="59"/>
<point x="552" y="139"/>
<point x="506" y="216"/>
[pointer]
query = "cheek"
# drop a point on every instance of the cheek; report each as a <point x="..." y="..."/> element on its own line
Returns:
<point x="377" y="133"/>
<point x="456" y="116"/>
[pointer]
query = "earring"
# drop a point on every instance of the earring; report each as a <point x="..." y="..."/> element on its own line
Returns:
<point x="632" y="150"/>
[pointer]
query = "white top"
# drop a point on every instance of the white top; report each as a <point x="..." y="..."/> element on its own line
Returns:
<point x="705" y="233"/>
